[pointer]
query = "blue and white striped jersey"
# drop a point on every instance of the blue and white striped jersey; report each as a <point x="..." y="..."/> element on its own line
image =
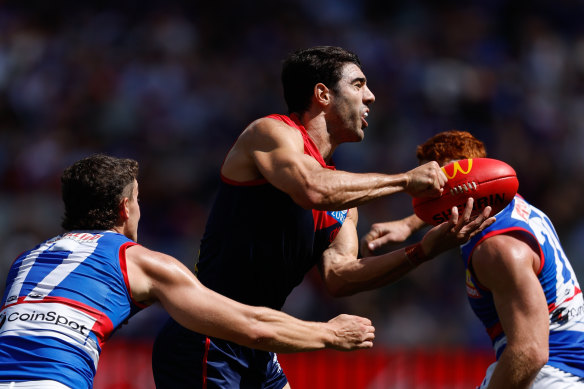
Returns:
<point x="63" y="299"/>
<point x="557" y="278"/>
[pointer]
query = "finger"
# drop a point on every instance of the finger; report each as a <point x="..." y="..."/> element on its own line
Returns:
<point x="442" y="177"/>
<point x="467" y="212"/>
<point x="453" y="221"/>
<point x="487" y="212"/>
<point x="484" y="215"/>
<point x="379" y="242"/>
<point x="364" y="320"/>
<point x="373" y="234"/>
<point x="484" y="220"/>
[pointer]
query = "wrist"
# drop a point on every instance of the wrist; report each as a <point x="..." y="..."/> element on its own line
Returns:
<point x="415" y="254"/>
<point x="330" y="338"/>
<point x="414" y="223"/>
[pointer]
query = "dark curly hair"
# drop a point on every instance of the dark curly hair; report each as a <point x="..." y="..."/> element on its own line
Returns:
<point x="451" y="145"/>
<point x="92" y="190"/>
<point x="303" y="69"/>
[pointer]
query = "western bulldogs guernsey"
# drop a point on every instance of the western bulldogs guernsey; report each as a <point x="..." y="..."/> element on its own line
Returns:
<point x="257" y="246"/>
<point x="63" y="299"/>
<point x="559" y="283"/>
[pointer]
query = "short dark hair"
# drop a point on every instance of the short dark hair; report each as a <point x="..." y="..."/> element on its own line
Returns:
<point x="303" y="69"/>
<point x="92" y="189"/>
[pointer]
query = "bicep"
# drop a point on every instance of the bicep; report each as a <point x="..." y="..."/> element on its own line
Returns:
<point x="159" y="277"/>
<point x="504" y="264"/>
<point x="278" y="154"/>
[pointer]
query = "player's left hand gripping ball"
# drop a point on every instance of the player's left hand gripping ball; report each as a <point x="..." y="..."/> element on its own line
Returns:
<point x="489" y="181"/>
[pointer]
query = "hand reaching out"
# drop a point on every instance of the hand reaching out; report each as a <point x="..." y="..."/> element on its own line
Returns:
<point x="456" y="231"/>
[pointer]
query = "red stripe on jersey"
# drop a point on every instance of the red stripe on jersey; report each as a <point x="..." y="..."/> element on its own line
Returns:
<point x="259" y="181"/>
<point x="309" y="146"/>
<point x="500" y="232"/>
<point x="103" y="326"/>
<point x="322" y="220"/>
<point x="495" y="330"/>
<point x="205" y="356"/>
<point x="124" y="267"/>
<point x="553" y="306"/>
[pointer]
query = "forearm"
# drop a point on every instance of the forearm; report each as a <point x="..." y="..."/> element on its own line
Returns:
<point x="254" y="327"/>
<point x="279" y="332"/>
<point x="155" y="276"/>
<point x="414" y="223"/>
<point x="338" y="190"/>
<point x="358" y="275"/>
<point x="262" y="328"/>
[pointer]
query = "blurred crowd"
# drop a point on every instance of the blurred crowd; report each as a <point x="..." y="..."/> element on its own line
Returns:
<point x="172" y="84"/>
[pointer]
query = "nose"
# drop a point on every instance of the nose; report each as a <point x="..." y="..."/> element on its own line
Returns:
<point x="368" y="96"/>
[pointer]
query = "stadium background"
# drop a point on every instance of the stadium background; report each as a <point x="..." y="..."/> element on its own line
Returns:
<point x="172" y="84"/>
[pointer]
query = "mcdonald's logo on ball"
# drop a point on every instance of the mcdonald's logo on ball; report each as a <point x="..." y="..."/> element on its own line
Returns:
<point x="490" y="182"/>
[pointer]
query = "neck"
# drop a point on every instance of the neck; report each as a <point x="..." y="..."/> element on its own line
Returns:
<point x="316" y="127"/>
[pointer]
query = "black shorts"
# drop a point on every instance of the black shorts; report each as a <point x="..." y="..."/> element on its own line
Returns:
<point x="185" y="359"/>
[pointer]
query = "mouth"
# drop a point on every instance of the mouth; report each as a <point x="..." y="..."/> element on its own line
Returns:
<point x="363" y="119"/>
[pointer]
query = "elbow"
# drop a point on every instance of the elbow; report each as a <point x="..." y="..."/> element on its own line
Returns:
<point x="341" y="279"/>
<point x="311" y="199"/>
<point x="258" y="337"/>
<point x="312" y="194"/>
<point x="540" y="357"/>
<point x="534" y="356"/>
<point x="339" y="288"/>
<point x="262" y="331"/>
<point x="538" y="353"/>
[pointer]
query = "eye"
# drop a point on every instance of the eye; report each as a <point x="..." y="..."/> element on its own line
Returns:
<point x="359" y="83"/>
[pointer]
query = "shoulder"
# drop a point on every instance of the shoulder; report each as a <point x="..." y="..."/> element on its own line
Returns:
<point x="268" y="130"/>
<point x="503" y="256"/>
<point x="148" y="270"/>
<point x="147" y="259"/>
<point x="146" y="265"/>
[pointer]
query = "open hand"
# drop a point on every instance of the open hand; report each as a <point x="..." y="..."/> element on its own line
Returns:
<point x="457" y="230"/>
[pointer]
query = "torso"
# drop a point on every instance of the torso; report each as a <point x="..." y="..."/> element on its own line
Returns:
<point x="259" y="243"/>
<point x="65" y="297"/>
<point x="557" y="278"/>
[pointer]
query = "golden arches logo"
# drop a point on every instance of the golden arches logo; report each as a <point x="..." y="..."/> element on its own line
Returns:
<point x="456" y="168"/>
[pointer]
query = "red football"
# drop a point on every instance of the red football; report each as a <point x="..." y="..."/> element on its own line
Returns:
<point x="488" y="181"/>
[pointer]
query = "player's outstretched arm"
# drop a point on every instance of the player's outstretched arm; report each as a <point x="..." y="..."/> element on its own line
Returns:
<point x="273" y="150"/>
<point x="344" y="274"/>
<point x="154" y="276"/>
<point x="456" y="231"/>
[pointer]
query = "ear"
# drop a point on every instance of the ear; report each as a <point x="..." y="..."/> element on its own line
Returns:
<point x="124" y="210"/>
<point x="322" y="94"/>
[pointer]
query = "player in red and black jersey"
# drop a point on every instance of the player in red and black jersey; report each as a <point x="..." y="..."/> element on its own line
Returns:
<point x="282" y="208"/>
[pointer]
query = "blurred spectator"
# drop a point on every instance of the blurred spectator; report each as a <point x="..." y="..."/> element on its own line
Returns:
<point x="171" y="83"/>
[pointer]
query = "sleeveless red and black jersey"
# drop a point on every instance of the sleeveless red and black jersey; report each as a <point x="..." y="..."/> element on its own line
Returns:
<point x="258" y="243"/>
